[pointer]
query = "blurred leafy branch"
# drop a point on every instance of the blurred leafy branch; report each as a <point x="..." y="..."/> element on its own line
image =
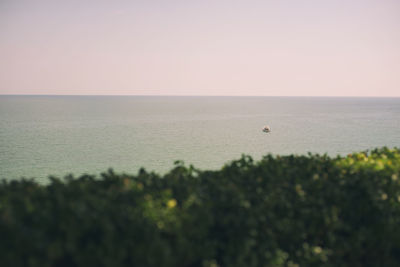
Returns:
<point x="281" y="211"/>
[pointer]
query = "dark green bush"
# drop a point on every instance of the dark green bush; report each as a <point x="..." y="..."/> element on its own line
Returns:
<point x="282" y="211"/>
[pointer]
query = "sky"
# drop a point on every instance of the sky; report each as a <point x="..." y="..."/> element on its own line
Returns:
<point x="203" y="47"/>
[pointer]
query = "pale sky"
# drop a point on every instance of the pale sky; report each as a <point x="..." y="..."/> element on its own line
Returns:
<point x="203" y="47"/>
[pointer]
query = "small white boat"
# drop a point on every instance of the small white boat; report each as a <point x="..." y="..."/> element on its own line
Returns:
<point x="266" y="129"/>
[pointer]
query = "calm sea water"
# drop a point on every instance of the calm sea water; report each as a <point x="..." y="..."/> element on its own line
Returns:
<point x="43" y="135"/>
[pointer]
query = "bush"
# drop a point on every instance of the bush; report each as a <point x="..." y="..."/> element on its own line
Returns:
<point x="281" y="211"/>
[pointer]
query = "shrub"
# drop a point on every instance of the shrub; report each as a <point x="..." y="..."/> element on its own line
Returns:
<point x="281" y="211"/>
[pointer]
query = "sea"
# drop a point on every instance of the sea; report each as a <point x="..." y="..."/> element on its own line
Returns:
<point x="60" y="135"/>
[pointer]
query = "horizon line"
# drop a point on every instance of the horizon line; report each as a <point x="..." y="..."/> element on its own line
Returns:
<point x="143" y="95"/>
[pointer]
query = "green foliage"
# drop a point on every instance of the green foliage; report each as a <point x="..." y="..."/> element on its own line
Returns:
<point x="282" y="211"/>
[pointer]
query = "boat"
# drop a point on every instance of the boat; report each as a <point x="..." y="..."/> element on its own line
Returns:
<point x="266" y="129"/>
